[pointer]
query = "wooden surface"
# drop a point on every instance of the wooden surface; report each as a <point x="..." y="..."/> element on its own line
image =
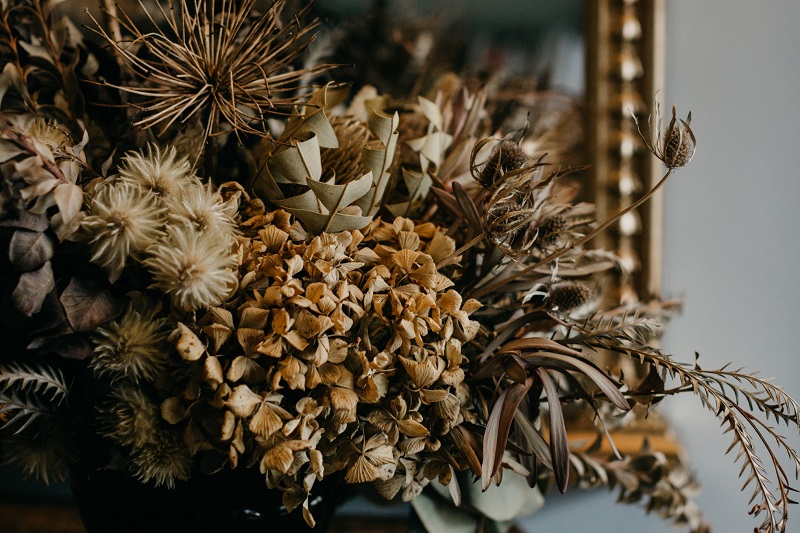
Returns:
<point x="62" y="517"/>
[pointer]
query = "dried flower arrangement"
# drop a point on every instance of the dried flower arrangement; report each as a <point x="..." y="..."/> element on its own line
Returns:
<point x="216" y="260"/>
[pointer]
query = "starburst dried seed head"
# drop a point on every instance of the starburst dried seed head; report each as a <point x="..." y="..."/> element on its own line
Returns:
<point x="216" y="61"/>
<point x="162" y="461"/>
<point x="202" y="208"/>
<point x="123" y="220"/>
<point x="44" y="457"/>
<point x="506" y="157"/>
<point x="129" y="417"/>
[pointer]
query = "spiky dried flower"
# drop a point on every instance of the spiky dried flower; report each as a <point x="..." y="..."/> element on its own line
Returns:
<point x="161" y="172"/>
<point x="676" y="145"/>
<point x="162" y="461"/>
<point x="131" y="347"/>
<point x="569" y="295"/>
<point x="202" y="208"/>
<point x="512" y="210"/>
<point x="129" y="417"/>
<point x="505" y="157"/>
<point x="123" y="220"/>
<point x="195" y="269"/>
<point x="218" y="61"/>
<point x="45" y="456"/>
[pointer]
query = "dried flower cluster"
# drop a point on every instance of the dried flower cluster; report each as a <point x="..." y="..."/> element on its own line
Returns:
<point x="360" y="287"/>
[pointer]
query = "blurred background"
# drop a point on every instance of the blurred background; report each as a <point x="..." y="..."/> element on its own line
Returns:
<point x="732" y="224"/>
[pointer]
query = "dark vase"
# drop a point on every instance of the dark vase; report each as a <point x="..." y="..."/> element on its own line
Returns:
<point x="235" y="501"/>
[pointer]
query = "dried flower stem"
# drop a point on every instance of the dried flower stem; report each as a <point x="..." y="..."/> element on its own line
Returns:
<point x="502" y="281"/>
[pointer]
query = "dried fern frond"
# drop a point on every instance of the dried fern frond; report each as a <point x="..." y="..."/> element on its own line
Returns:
<point x="30" y="394"/>
<point x="733" y="396"/>
<point x="43" y="381"/>
<point x="216" y="60"/>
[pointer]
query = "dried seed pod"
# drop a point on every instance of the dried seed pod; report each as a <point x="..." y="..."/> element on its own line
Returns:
<point x="568" y="296"/>
<point x="676" y="145"/>
<point x="506" y="157"/>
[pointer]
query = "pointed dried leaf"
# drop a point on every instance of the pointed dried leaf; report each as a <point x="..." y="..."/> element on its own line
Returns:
<point x="559" y="447"/>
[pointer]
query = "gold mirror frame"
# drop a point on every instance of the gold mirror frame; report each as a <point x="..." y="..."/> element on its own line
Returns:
<point x="625" y="66"/>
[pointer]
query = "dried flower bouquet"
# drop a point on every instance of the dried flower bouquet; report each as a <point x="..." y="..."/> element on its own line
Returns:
<point x="216" y="259"/>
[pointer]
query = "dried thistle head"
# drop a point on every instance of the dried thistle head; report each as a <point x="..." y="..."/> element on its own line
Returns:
<point x="675" y="146"/>
<point x="512" y="210"/>
<point x="215" y="60"/>
<point x="506" y="157"/>
<point x="132" y="347"/>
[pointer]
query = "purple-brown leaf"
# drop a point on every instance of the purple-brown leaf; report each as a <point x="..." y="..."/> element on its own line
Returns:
<point x="32" y="288"/>
<point x="29" y="250"/>
<point x="498" y="427"/>
<point x="87" y="305"/>
<point x="559" y="447"/>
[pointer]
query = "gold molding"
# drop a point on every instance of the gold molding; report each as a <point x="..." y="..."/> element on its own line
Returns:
<point x="625" y="51"/>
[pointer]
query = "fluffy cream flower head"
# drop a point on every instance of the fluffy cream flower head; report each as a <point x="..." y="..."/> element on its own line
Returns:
<point x="123" y="220"/>
<point x="157" y="170"/>
<point x="196" y="269"/>
<point x="202" y="208"/>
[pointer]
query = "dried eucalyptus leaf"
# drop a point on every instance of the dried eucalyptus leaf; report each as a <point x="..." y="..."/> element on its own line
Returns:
<point x="29" y="250"/>
<point x="377" y="157"/>
<point x="87" y="305"/>
<point x="299" y="162"/>
<point x="418" y="185"/>
<point x="312" y="118"/>
<point x="336" y="197"/>
<point x="32" y="288"/>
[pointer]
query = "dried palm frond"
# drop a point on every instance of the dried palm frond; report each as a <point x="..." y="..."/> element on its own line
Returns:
<point x="216" y="60"/>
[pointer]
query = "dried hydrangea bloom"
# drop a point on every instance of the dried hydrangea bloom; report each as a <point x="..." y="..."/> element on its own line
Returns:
<point x="132" y="347"/>
<point x="157" y="170"/>
<point x="123" y="220"/>
<point x="194" y="268"/>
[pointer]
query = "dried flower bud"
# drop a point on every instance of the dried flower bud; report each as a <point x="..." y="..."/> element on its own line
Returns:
<point x="679" y="143"/>
<point x="676" y="145"/>
<point x="568" y="296"/>
<point x="550" y="228"/>
<point x="506" y="157"/>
